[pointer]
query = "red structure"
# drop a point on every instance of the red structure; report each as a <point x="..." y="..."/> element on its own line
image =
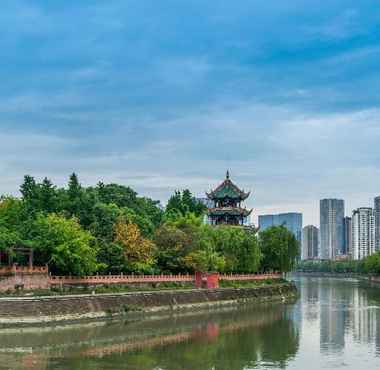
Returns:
<point x="209" y="280"/>
<point x="24" y="277"/>
<point x="212" y="280"/>
<point x="27" y="278"/>
<point x="199" y="279"/>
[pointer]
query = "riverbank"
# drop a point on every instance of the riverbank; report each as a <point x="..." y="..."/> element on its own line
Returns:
<point x="24" y="311"/>
<point x="340" y="275"/>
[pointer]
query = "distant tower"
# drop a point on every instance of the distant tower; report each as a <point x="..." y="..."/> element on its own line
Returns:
<point x="377" y="223"/>
<point x="363" y="233"/>
<point x="310" y="242"/>
<point x="332" y="230"/>
<point x="347" y="236"/>
<point x="227" y="208"/>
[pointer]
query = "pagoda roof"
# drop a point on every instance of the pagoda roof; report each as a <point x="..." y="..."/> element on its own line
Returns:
<point x="232" y="211"/>
<point x="227" y="189"/>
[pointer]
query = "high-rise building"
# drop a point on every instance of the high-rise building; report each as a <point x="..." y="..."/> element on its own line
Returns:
<point x="347" y="236"/>
<point x="377" y="223"/>
<point x="331" y="228"/>
<point x="310" y="242"/>
<point x="363" y="233"/>
<point x="292" y="221"/>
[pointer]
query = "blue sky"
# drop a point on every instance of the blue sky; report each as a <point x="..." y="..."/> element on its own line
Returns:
<point x="168" y="94"/>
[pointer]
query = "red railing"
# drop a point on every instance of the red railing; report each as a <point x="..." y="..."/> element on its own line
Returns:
<point x="130" y="279"/>
<point x="248" y="277"/>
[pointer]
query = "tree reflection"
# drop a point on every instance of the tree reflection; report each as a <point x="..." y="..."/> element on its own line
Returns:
<point x="235" y="343"/>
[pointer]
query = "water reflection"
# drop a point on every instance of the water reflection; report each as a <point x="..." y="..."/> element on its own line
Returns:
<point x="334" y="324"/>
<point x="231" y="340"/>
<point x="346" y="312"/>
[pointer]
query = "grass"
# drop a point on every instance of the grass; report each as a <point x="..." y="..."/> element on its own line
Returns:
<point x="250" y="283"/>
<point x="114" y="288"/>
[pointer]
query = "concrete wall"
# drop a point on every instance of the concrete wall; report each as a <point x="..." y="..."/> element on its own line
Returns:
<point x="67" y="308"/>
<point x="27" y="280"/>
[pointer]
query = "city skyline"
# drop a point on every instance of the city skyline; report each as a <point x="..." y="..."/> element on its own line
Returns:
<point x="133" y="99"/>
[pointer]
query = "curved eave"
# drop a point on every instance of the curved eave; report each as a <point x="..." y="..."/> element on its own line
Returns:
<point x="242" y="196"/>
<point x="234" y="191"/>
<point x="229" y="211"/>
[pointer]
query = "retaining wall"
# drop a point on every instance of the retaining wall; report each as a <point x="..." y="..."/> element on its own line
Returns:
<point x="135" y="279"/>
<point x="31" y="310"/>
<point x="27" y="278"/>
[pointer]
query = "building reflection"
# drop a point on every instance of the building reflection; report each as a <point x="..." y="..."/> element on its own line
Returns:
<point x="348" y="312"/>
<point x="333" y="317"/>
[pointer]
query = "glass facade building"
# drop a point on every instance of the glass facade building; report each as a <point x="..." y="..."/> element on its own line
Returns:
<point x="292" y="221"/>
<point x="332" y="228"/>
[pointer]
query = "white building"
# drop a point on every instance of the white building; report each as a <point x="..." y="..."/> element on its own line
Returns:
<point x="377" y="223"/>
<point x="363" y="233"/>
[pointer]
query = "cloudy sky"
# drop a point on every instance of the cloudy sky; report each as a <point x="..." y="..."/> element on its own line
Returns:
<point x="168" y="94"/>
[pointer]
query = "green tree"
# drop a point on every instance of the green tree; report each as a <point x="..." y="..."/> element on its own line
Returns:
<point x="74" y="196"/>
<point x="205" y="259"/>
<point x="371" y="264"/>
<point x="48" y="197"/>
<point x="29" y="189"/>
<point x="138" y="251"/>
<point x="105" y="217"/>
<point x="183" y="203"/>
<point x="239" y="246"/>
<point x="30" y="193"/>
<point x="8" y="239"/>
<point x="172" y="245"/>
<point x="279" y="248"/>
<point x="14" y="223"/>
<point x="64" y="246"/>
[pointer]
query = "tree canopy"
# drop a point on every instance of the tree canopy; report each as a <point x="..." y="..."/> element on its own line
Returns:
<point x="280" y="249"/>
<point x="109" y="228"/>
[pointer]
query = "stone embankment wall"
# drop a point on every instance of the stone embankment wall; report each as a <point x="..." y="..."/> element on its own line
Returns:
<point x="31" y="310"/>
<point x="141" y="279"/>
<point x="339" y="275"/>
<point x="30" y="278"/>
<point x="15" y="277"/>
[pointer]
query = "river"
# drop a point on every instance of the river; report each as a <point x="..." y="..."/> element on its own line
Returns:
<point x="334" y="324"/>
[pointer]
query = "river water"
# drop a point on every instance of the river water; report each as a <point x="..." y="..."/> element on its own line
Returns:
<point x="334" y="324"/>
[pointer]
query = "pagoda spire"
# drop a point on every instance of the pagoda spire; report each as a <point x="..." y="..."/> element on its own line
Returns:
<point x="227" y="198"/>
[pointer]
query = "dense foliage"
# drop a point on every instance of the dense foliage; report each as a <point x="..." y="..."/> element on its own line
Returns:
<point x="110" y="229"/>
<point x="369" y="265"/>
<point x="182" y="203"/>
<point x="280" y="249"/>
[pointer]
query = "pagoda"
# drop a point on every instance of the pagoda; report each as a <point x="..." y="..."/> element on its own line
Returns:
<point x="227" y="208"/>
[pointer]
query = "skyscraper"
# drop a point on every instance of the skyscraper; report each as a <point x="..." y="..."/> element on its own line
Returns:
<point x="292" y="221"/>
<point x="310" y="242"/>
<point x="377" y="223"/>
<point x="347" y="236"/>
<point x="331" y="227"/>
<point x="363" y="233"/>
